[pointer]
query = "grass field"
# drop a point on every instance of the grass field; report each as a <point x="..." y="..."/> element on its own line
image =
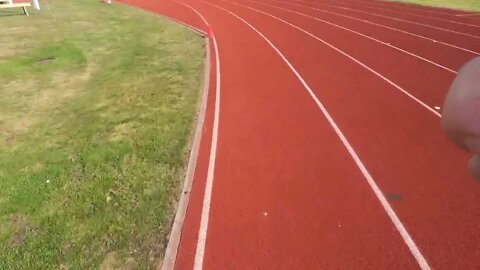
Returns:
<point x="466" y="5"/>
<point x="97" y="107"/>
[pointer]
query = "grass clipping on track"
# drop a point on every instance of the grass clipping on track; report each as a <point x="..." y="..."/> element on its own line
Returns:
<point x="97" y="107"/>
<point x="465" y="5"/>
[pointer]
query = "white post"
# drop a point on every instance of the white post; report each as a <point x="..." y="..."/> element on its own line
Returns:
<point x="36" y="5"/>
<point x="10" y="1"/>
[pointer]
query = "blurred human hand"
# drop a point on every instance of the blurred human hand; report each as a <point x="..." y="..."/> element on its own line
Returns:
<point x="461" y="112"/>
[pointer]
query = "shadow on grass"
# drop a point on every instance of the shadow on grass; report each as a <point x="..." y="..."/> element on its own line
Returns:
<point x="12" y="13"/>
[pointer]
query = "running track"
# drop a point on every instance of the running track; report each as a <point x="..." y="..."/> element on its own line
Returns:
<point x="321" y="146"/>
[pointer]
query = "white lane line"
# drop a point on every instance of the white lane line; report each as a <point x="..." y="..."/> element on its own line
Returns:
<point x="368" y="177"/>
<point x="416" y="15"/>
<point x="360" y="34"/>
<point x="414" y="98"/>
<point x="394" y="19"/>
<point x="196" y="12"/>
<point x="379" y="25"/>
<point x="207" y="197"/>
<point x="466" y="15"/>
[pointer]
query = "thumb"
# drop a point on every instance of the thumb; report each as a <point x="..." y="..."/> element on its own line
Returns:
<point x="461" y="113"/>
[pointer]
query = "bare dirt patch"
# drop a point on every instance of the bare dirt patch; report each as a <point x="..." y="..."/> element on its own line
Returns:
<point x="22" y="229"/>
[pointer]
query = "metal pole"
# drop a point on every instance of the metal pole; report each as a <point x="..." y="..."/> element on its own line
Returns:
<point x="36" y="4"/>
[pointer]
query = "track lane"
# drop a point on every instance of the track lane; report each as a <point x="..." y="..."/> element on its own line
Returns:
<point x="424" y="9"/>
<point x="438" y="210"/>
<point x="463" y="40"/>
<point x="434" y="23"/>
<point x="413" y="16"/>
<point x="359" y="34"/>
<point x="250" y="228"/>
<point x="439" y="52"/>
<point x="392" y="65"/>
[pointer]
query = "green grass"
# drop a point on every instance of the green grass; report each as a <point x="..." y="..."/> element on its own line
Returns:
<point x="465" y="5"/>
<point x="97" y="107"/>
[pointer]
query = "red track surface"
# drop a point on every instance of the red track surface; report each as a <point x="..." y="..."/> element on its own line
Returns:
<point x="286" y="193"/>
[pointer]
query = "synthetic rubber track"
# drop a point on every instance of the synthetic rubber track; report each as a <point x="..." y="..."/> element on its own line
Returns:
<point x="322" y="147"/>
